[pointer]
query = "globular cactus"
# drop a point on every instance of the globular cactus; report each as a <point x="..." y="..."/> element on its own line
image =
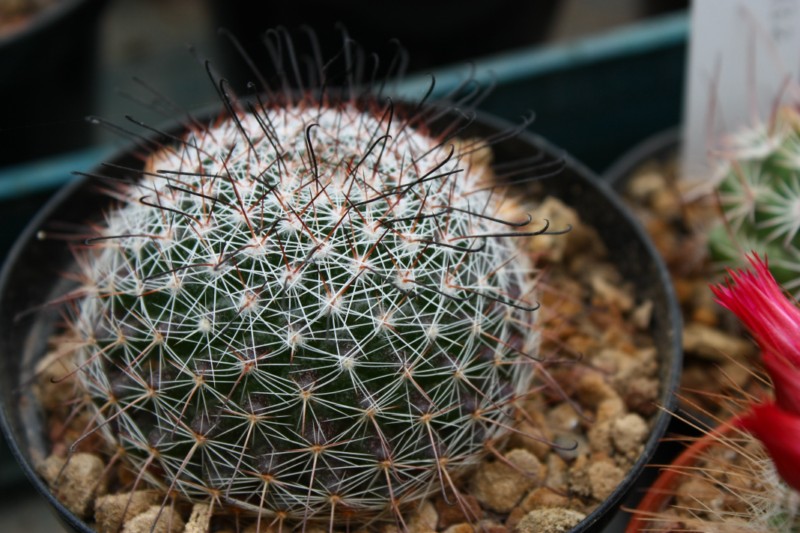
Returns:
<point x="759" y="193"/>
<point x="313" y="309"/>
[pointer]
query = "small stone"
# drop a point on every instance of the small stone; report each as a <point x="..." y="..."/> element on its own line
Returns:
<point x="593" y="389"/>
<point x="604" y="477"/>
<point x="463" y="527"/>
<point x="424" y="520"/>
<point x="56" y="385"/>
<point x="75" y="481"/>
<point x="641" y="395"/>
<point x="490" y="526"/>
<point x="642" y="315"/>
<point x="666" y="202"/>
<point x="568" y="446"/>
<point x="550" y="520"/>
<point x="200" y="519"/>
<point x="696" y="491"/>
<point x="644" y="185"/>
<point x="563" y="417"/>
<point x="464" y="509"/>
<point x="599" y="435"/>
<point x="610" y="409"/>
<point x="579" y="482"/>
<point x="553" y="247"/>
<point x="610" y="292"/>
<point x="705" y="316"/>
<point x="543" y="497"/>
<point x="556" y="473"/>
<point x="532" y="436"/>
<point x="736" y="375"/>
<point x="715" y="345"/>
<point x="111" y="510"/>
<point x="628" y="434"/>
<point x="500" y="486"/>
<point x="156" y="519"/>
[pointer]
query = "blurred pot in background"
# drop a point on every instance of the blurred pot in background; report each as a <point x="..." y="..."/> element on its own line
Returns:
<point x="47" y="61"/>
<point x="434" y="32"/>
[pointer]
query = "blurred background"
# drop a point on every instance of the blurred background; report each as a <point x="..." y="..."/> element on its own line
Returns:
<point x="600" y="75"/>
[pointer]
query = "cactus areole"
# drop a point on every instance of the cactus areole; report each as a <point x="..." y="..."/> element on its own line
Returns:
<point x="308" y="311"/>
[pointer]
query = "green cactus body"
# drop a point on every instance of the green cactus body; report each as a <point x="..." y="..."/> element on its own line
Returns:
<point x="760" y="198"/>
<point x="308" y="312"/>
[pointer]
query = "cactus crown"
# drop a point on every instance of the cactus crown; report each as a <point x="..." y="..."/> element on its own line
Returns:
<point x="760" y="196"/>
<point x="310" y="308"/>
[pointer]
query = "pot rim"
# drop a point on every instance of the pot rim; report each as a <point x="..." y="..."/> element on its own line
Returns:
<point x="662" y="489"/>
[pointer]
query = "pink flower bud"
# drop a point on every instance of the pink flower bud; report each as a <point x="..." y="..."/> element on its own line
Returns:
<point x="773" y="319"/>
<point x="779" y="432"/>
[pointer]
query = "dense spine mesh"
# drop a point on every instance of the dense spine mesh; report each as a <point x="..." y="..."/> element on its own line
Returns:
<point x="307" y="311"/>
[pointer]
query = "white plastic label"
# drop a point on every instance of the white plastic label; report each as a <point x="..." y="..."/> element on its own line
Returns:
<point x="744" y="59"/>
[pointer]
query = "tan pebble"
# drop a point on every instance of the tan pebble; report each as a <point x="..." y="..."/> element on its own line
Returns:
<point x="75" y="481"/>
<point x="696" y="492"/>
<point x="713" y="344"/>
<point x="610" y="409"/>
<point x="553" y="247"/>
<point x="500" y="486"/>
<point x="200" y="519"/>
<point x="578" y="477"/>
<point x="463" y="527"/>
<point x="604" y="476"/>
<point x="593" y="389"/>
<point x="532" y="437"/>
<point x="111" y="510"/>
<point x="542" y="497"/>
<point x="490" y="526"/>
<point x="551" y="520"/>
<point x="641" y="395"/>
<point x="563" y="417"/>
<point x="156" y="519"/>
<point x="514" y="517"/>
<point x="424" y="519"/>
<point x="644" y="185"/>
<point x="666" y="202"/>
<point x="736" y="375"/>
<point x="568" y="446"/>
<point x="55" y="379"/>
<point x="463" y="509"/>
<point x="642" y="315"/>
<point x="556" y="473"/>
<point x="599" y="435"/>
<point x="706" y="316"/>
<point x="628" y="433"/>
<point x="611" y="293"/>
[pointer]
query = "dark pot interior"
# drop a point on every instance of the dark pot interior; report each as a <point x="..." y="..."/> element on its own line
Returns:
<point x="33" y="273"/>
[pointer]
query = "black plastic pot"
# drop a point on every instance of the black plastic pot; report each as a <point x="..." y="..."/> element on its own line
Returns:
<point x="30" y="277"/>
<point x="46" y="81"/>
<point x="662" y="148"/>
